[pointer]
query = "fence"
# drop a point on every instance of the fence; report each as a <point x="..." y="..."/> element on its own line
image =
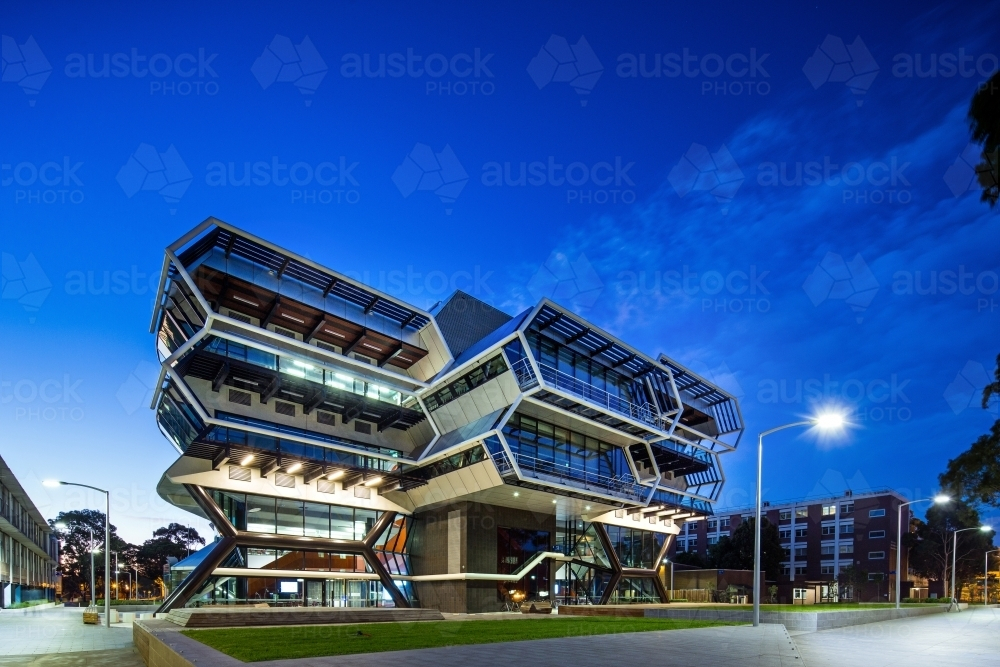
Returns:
<point x="692" y="594"/>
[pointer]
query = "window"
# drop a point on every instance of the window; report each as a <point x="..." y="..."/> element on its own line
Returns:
<point x="786" y="570"/>
<point x="723" y="524"/>
<point x="829" y="510"/>
<point x="826" y="569"/>
<point x="549" y="448"/>
<point x="785" y="533"/>
<point x="786" y="551"/>
<point x="801" y="512"/>
<point x="829" y="530"/>
<point x="876" y="555"/>
<point x="847" y="508"/>
<point x="876" y="534"/>
<point x="479" y="375"/>
<point x="875" y="513"/>
<point x="785" y="515"/>
<point x="713" y="524"/>
<point x="692" y="543"/>
<point x="800" y="552"/>
<point x="800" y="569"/>
<point x="847" y="529"/>
<point x="692" y="527"/>
<point x="713" y="539"/>
<point x="800" y="532"/>
<point x="800" y="593"/>
<point x="826" y="550"/>
<point x="847" y="548"/>
<point x="876" y="576"/>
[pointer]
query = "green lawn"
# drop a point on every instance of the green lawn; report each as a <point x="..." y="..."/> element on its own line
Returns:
<point x="812" y="608"/>
<point x="255" y="644"/>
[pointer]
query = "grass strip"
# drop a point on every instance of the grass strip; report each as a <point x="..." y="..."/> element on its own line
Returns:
<point x="309" y="641"/>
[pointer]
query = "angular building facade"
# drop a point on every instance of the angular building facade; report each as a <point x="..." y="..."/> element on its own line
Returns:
<point x="354" y="450"/>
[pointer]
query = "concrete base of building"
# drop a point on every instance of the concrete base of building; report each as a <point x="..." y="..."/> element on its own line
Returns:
<point x="227" y="617"/>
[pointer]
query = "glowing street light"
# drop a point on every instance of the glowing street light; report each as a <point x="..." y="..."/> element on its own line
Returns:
<point x="986" y="577"/>
<point x="954" y="554"/>
<point x="938" y="500"/>
<point x="826" y="421"/>
<point x="107" y="545"/>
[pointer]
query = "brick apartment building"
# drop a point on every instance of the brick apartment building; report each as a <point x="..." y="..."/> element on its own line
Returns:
<point x="820" y="537"/>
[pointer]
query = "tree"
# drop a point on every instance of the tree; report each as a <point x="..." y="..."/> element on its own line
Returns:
<point x="974" y="475"/>
<point x="853" y="580"/>
<point x="736" y="552"/>
<point x="984" y="123"/>
<point x="689" y="558"/>
<point x="75" y="547"/>
<point x="175" y="541"/>
<point x="929" y="543"/>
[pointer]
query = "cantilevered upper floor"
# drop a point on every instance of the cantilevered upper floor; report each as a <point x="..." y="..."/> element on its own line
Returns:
<point x="272" y="361"/>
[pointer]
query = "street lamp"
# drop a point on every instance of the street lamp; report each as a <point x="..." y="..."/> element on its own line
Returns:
<point x="826" y="421"/>
<point x="938" y="499"/>
<point x="986" y="577"/>
<point x="954" y="555"/>
<point x="107" y="543"/>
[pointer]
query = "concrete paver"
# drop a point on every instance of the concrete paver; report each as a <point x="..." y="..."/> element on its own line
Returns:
<point x="57" y="630"/>
<point x="743" y="646"/>
<point x="971" y="637"/>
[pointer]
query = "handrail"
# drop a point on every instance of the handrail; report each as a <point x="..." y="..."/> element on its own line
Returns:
<point x="556" y="378"/>
<point x="523" y="373"/>
<point x="619" y="484"/>
<point x="518" y="574"/>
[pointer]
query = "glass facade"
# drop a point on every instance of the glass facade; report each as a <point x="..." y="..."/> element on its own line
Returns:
<point x="635" y="590"/>
<point x="308" y="370"/>
<point x="477" y="376"/>
<point x="580" y="366"/>
<point x="177" y="419"/>
<point x="515" y="547"/>
<point x="282" y="516"/>
<point x="636" y="548"/>
<point x="561" y="451"/>
<point x="393" y="547"/>
<point x="319" y="454"/>
<point x="586" y="583"/>
<point x="284" y="592"/>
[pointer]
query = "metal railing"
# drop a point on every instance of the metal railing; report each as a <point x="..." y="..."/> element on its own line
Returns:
<point x="556" y="378"/>
<point x="619" y="485"/>
<point x="502" y="462"/>
<point x="524" y="374"/>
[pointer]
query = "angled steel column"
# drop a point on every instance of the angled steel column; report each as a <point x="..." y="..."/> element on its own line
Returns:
<point x="382" y="525"/>
<point x="188" y="587"/>
<point x="616" y="565"/>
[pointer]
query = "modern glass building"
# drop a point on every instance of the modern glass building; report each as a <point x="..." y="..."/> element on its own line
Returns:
<point x="354" y="450"/>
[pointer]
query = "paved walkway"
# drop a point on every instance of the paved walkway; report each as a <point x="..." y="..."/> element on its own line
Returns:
<point x="56" y="630"/>
<point x="971" y="637"/>
<point x="728" y="646"/>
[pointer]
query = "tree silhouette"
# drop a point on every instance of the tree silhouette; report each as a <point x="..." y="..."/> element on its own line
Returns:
<point x="984" y="123"/>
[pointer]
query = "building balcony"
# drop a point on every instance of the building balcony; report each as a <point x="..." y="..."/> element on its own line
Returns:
<point x="598" y="403"/>
<point x="623" y="486"/>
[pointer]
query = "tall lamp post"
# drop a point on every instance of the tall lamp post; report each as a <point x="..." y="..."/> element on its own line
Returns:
<point x="899" y="536"/>
<point x="107" y="543"/>
<point x="826" y="421"/>
<point x="954" y="558"/>
<point x="986" y="577"/>
<point x="93" y="593"/>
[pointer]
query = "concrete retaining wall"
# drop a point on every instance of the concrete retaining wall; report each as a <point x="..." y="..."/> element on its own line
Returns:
<point x="800" y="621"/>
<point x="153" y="651"/>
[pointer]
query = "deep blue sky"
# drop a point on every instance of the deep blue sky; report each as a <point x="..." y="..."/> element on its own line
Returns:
<point x="74" y="370"/>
